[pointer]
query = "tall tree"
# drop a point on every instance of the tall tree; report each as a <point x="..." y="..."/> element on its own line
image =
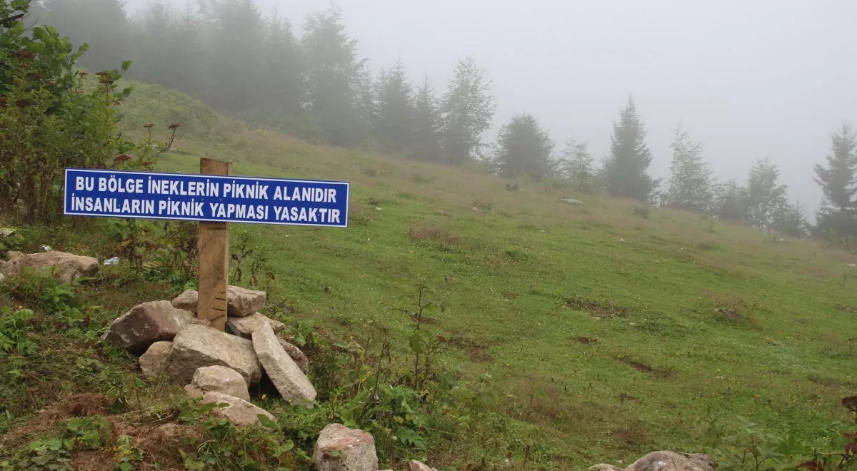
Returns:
<point x="765" y="195"/>
<point x="426" y="125"/>
<point x="730" y="201"/>
<point x="282" y="70"/>
<point x="690" y="178"/>
<point x="395" y="108"/>
<point x="523" y="148"/>
<point x="103" y="24"/>
<point x="332" y="75"/>
<point x="577" y="166"/>
<point x="791" y="220"/>
<point x="467" y="111"/>
<point x="838" y="181"/>
<point x="626" y="166"/>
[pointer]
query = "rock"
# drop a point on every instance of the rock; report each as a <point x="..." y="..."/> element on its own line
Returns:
<point x="244" y="326"/>
<point x="604" y="467"/>
<point x="188" y="300"/>
<point x="2" y="277"/>
<point x="297" y="355"/>
<point x="341" y="449"/>
<point x="672" y="461"/>
<point x="197" y="346"/>
<point x="148" y="323"/>
<point x="287" y="377"/>
<point x="154" y="361"/>
<point x="572" y="201"/>
<point x="243" y="302"/>
<point x="219" y="379"/>
<point x="415" y="465"/>
<point x="69" y="267"/>
<point x="238" y="411"/>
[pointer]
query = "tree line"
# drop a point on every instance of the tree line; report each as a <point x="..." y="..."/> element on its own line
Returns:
<point x="316" y="86"/>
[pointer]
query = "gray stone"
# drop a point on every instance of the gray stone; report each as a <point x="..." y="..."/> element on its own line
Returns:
<point x="148" y="323"/>
<point x="287" y="377"/>
<point x="672" y="461"/>
<point x="342" y="449"/>
<point x="604" y="467"/>
<point x="188" y="300"/>
<point x="242" y="302"/>
<point x="219" y="379"/>
<point x="69" y="267"/>
<point x="154" y="361"/>
<point x="415" y="465"/>
<point x="236" y="410"/>
<point x="197" y="346"/>
<point x="244" y="326"/>
<point x="297" y="355"/>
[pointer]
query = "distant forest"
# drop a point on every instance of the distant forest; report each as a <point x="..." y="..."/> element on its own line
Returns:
<point x="316" y="86"/>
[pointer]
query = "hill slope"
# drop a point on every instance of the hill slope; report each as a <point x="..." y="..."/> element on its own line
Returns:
<point x="601" y="332"/>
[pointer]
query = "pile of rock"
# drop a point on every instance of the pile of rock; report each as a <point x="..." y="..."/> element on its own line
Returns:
<point x="216" y="366"/>
<point x="665" y="461"/>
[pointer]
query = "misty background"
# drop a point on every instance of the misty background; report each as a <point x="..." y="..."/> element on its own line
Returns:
<point x="749" y="79"/>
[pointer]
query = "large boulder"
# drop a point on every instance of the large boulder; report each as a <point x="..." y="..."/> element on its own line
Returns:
<point x="197" y="346"/>
<point x="342" y="449"/>
<point x="297" y="355"/>
<point x="244" y="326"/>
<point x="242" y="302"/>
<point x="287" y="377"/>
<point x="219" y="379"/>
<point x="69" y="267"/>
<point x="188" y="300"/>
<point x="148" y="323"/>
<point x="154" y="361"/>
<point x="236" y="410"/>
<point x="672" y="461"/>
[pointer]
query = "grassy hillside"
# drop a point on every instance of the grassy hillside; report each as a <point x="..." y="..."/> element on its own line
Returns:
<point x="602" y="330"/>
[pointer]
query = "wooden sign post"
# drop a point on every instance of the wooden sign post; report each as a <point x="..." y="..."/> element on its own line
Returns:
<point x="213" y="258"/>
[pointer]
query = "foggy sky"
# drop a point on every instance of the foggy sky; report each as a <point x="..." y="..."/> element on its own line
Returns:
<point x="748" y="78"/>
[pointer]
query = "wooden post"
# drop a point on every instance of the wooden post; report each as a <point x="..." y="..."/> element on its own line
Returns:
<point x="213" y="258"/>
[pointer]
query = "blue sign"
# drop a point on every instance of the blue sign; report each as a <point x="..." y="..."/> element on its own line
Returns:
<point x="211" y="198"/>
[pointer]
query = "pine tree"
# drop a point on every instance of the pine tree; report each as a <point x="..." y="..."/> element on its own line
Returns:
<point x="577" y="168"/>
<point x="282" y="72"/>
<point x="730" y="201"/>
<point x="690" y="178"/>
<point x="467" y="111"/>
<point x="523" y="148"/>
<point x="332" y="76"/>
<point x="366" y="105"/>
<point x="625" y="168"/>
<point x="395" y="108"/>
<point x="838" y="180"/>
<point x="791" y="220"/>
<point x="103" y="24"/>
<point x="426" y="125"/>
<point x="765" y="195"/>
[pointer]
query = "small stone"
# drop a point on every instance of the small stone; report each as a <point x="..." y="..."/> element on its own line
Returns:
<point x="238" y="411"/>
<point x="197" y="346"/>
<point x="297" y="355"/>
<point x="148" y="323"/>
<point x="244" y="326"/>
<point x="188" y="300"/>
<point x="219" y="379"/>
<point x="342" y="449"/>
<point x="672" y="461"/>
<point x="604" y="467"/>
<point x="154" y="361"/>
<point x="287" y="377"/>
<point x="243" y="302"/>
<point x="415" y="465"/>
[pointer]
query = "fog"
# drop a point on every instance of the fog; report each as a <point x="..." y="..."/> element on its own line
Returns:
<point x="750" y="79"/>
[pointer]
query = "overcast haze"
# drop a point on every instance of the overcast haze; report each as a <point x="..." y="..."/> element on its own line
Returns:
<point x="748" y="78"/>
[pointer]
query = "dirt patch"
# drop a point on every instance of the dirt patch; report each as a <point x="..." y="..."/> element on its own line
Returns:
<point x="632" y="435"/>
<point x="85" y="405"/>
<point x="648" y="369"/>
<point x="844" y="308"/>
<point x="427" y="320"/>
<point x="595" y="308"/>
<point x="627" y="397"/>
<point x="98" y="460"/>
<point x="586" y="340"/>
<point x="475" y="351"/>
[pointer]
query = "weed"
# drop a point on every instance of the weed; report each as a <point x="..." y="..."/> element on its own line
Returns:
<point x="369" y="172"/>
<point x="643" y="211"/>
<point x="484" y="205"/>
<point x="244" y="256"/>
<point x="432" y="233"/>
<point x="595" y="308"/>
<point x="417" y="178"/>
<point x="13" y="332"/>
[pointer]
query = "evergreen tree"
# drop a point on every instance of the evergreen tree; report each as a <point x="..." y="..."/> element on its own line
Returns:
<point x="467" y="111"/>
<point x="282" y="72"/>
<point x="366" y="104"/>
<point x="332" y="76"/>
<point x="395" y="109"/>
<point x="577" y="167"/>
<point x="523" y="148"/>
<point x="730" y="201"/>
<point x="765" y="195"/>
<point x="690" y="178"/>
<point x="791" y="220"/>
<point x="625" y="168"/>
<point x="103" y="24"/>
<point x="426" y="125"/>
<point x="838" y="180"/>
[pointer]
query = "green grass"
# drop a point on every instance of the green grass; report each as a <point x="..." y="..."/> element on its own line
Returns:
<point x="605" y="335"/>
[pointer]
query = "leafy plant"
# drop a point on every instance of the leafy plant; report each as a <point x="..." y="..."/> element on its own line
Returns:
<point x="13" y="332"/>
